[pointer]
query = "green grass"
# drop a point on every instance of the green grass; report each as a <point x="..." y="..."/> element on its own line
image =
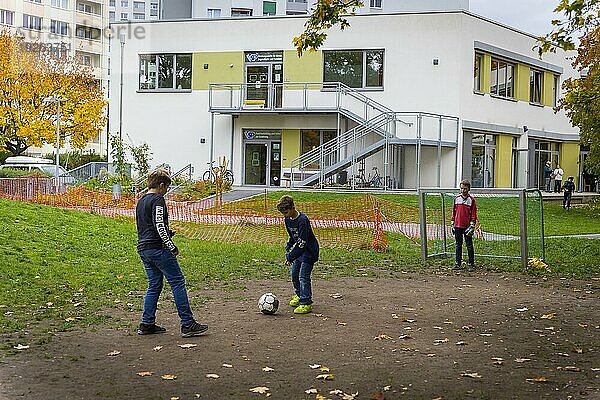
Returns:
<point x="59" y="264"/>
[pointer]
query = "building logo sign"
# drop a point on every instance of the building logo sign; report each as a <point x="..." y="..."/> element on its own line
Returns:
<point x="262" y="134"/>
<point x="250" y="135"/>
<point x="264" y="56"/>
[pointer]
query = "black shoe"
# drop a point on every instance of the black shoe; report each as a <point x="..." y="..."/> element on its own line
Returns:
<point x="193" y="329"/>
<point x="150" y="329"/>
<point x="456" y="267"/>
<point x="471" y="267"/>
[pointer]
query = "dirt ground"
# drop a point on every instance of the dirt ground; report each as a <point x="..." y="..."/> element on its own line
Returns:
<point x="462" y="336"/>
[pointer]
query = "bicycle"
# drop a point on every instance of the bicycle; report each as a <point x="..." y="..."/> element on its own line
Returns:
<point x="209" y="175"/>
<point x="376" y="180"/>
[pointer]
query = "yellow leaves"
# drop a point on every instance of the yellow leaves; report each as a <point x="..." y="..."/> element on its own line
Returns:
<point x="114" y="353"/>
<point x="145" y="373"/>
<point x="169" y="377"/>
<point x="261" y="390"/>
<point x="540" y="379"/>
<point x="536" y="263"/>
<point x="548" y="316"/>
<point x="325" y="377"/>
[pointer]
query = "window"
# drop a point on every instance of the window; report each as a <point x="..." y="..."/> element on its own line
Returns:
<point x="153" y="9"/>
<point x="241" y="12"/>
<point x="535" y="86"/>
<point x="112" y="3"/>
<point x="124" y="16"/>
<point x="59" y="27"/>
<point x="139" y="6"/>
<point x="483" y="160"/>
<point x="213" y="13"/>
<point x="477" y="73"/>
<point x="86" y="8"/>
<point x="355" y="68"/>
<point x="269" y="8"/>
<point x="139" y="16"/>
<point x="502" y="79"/>
<point x="124" y="3"/>
<point x="86" y="32"/>
<point x="36" y="1"/>
<point x="7" y="17"/>
<point x="60" y="3"/>
<point x="111" y="15"/>
<point x="376" y="3"/>
<point x="165" y="71"/>
<point x="32" y="22"/>
<point x="311" y="139"/>
<point x="555" y="90"/>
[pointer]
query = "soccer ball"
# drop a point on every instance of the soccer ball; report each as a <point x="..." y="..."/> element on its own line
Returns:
<point x="268" y="303"/>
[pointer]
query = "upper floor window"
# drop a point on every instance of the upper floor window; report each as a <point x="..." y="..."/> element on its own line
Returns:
<point x="269" y="8"/>
<point x="139" y="6"/>
<point x="213" y="12"/>
<point x="86" y="32"/>
<point x="376" y="3"/>
<point x="124" y="16"/>
<point x="112" y="3"/>
<point x="124" y="3"/>
<point x="7" y="17"/>
<point x="241" y="12"/>
<point x="355" y="68"/>
<point x="111" y="15"/>
<point x="477" y="73"/>
<point x="59" y="27"/>
<point x="86" y="8"/>
<point x="139" y="16"/>
<point x="536" y="79"/>
<point x="165" y="71"/>
<point x="502" y="79"/>
<point x="32" y="22"/>
<point x="60" y="3"/>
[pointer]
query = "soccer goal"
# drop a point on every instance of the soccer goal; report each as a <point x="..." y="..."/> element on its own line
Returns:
<point x="510" y="223"/>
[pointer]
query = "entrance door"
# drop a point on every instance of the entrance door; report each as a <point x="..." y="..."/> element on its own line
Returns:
<point x="255" y="164"/>
<point x="482" y="165"/>
<point x="257" y="88"/>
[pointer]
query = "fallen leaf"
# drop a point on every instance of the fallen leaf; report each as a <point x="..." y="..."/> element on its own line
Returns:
<point x="157" y="348"/>
<point x="445" y="340"/>
<point x="169" y="377"/>
<point x="563" y="354"/>
<point x="346" y="396"/>
<point x="571" y="368"/>
<point x="175" y="398"/>
<point x="548" y="316"/>
<point x="324" y="369"/>
<point x="315" y="366"/>
<point x="212" y="376"/>
<point x="386" y="388"/>
<point x="268" y="369"/>
<point x="187" y="345"/>
<point x="497" y="358"/>
<point x="383" y="337"/>
<point x="395" y="316"/>
<point x="336" y="295"/>
<point x="538" y="379"/>
<point x="461" y="343"/>
<point x="114" y="353"/>
<point x="21" y="347"/>
<point x="145" y="373"/>
<point x="227" y="365"/>
<point x="595" y="369"/>
<point x="342" y="323"/>
<point x="326" y="377"/>
<point x="259" y="389"/>
<point x="336" y="392"/>
<point x="577" y="350"/>
<point x="521" y="360"/>
<point x="471" y="374"/>
<point x="404" y="337"/>
<point x="70" y="319"/>
<point x="311" y="391"/>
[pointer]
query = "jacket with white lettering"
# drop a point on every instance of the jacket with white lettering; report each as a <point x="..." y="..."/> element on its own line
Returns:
<point x="302" y="243"/>
<point x="464" y="211"/>
<point x="152" y="221"/>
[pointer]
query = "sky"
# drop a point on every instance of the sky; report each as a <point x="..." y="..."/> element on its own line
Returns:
<point x="531" y="16"/>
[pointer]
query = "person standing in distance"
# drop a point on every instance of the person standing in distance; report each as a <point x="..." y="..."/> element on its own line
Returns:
<point x="568" y="189"/>
<point x="159" y="255"/>
<point x="464" y="217"/>
<point x="547" y="177"/>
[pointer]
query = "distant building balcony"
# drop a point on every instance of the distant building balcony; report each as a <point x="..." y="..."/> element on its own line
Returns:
<point x="296" y="7"/>
<point x="87" y="19"/>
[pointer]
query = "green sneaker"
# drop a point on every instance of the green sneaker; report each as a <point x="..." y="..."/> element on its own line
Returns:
<point x="303" y="309"/>
<point x="295" y="301"/>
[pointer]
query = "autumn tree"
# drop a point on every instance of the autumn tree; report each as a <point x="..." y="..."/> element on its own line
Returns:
<point x="326" y="14"/>
<point x="579" y="29"/>
<point x="29" y="73"/>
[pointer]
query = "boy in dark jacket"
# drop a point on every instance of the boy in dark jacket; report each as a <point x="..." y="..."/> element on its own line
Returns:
<point x="464" y="218"/>
<point x="568" y="189"/>
<point x="302" y="252"/>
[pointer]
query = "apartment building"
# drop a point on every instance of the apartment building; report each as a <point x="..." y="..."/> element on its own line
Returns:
<point x="134" y="10"/>
<point x="426" y="99"/>
<point x="183" y="9"/>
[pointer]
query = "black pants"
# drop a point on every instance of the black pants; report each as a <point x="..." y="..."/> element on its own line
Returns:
<point x="557" y="186"/>
<point x="567" y="199"/>
<point x="459" y="234"/>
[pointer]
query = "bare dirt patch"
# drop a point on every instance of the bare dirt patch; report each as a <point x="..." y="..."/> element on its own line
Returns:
<point x="483" y="336"/>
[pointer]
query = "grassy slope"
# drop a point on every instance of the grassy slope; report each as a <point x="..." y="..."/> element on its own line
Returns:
<point x="57" y="264"/>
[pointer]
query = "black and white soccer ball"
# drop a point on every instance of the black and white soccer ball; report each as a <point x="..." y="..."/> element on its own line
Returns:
<point x="268" y="303"/>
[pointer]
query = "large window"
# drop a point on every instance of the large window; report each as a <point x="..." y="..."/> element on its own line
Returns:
<point x="59" y="27"/>
<point x="355" y="68"/>
<point x="536" y="79"/>
<point x="241" y="12"/>
<point x="213" y="12"/>
<point x="86" y="32"/>
<point x="60" y="3"/>
<point x="32" y="22"/>
<point x="376" y="3"/>
<point x="165" y="72"/>
<point x="483" y="160"/>
<point x="502" y="79"/>
<point x="7" y="17"/>
<point x="311" y="139"/>
<point x="477" y="73"/>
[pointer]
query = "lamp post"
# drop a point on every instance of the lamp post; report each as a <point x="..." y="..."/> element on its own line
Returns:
<point x="122" y="41"/>
<point x="57" y="100"/>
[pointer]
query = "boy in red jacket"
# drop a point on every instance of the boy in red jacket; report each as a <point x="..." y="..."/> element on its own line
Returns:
<point x="464" y="217"/>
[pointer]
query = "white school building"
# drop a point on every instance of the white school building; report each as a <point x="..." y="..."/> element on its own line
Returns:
<point x="419" y="99"/>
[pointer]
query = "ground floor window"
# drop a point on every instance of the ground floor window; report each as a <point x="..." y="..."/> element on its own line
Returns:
<point x="483" y="160"/>
<point x="544" y="151"/>
<point x="312" y="138"/>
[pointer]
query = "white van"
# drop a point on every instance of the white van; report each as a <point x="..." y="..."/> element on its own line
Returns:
<point x="32" y="164"/>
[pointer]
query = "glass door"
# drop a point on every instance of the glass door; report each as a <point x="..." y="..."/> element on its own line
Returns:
<point x="255" y="164"/>
<point x="275" y="167"/>
<point x="257" y="88"/>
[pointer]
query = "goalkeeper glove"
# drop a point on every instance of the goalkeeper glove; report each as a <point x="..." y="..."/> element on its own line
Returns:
<point x="470" y="230"/>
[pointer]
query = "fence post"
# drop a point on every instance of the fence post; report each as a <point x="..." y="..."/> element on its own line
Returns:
<point x="523" y="218"/>
<point x="422" y="225"/>
<point x="444" y="225"/>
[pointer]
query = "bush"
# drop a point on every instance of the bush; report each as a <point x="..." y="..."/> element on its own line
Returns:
<point x="74" y="159"/>
<point x="192" y="191"/>
<point x="19" y="173"/>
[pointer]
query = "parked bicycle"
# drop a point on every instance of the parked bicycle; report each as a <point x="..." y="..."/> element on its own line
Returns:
<point x="209" y="175"/>
<point x="376" y="180"/>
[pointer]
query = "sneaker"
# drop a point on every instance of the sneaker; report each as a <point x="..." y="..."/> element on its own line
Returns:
<point x="150" y="329"/>
<point x="471" y="267"/>
<point x="303" y="309"/>
<point x="295" y="301"/>
<point x="193" y="329"/>
<point x="456" y="267"/>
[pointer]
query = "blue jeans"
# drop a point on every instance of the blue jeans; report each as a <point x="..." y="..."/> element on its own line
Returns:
<point x="459" y="234"/>
<point x="301" y="280"/>
<point x="160" y="263"/>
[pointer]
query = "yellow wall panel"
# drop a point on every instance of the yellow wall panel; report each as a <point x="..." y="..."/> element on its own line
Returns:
<point x="569" y="160"/>
<point x="503" y="161"/>
<point x="223" y="67"/>
<point x="308" y="68"/>
<point x="290" y="146"/>
<point x="522" y="82"/>
<point x="547" y="92"/>
<point x="486" y="73"/>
